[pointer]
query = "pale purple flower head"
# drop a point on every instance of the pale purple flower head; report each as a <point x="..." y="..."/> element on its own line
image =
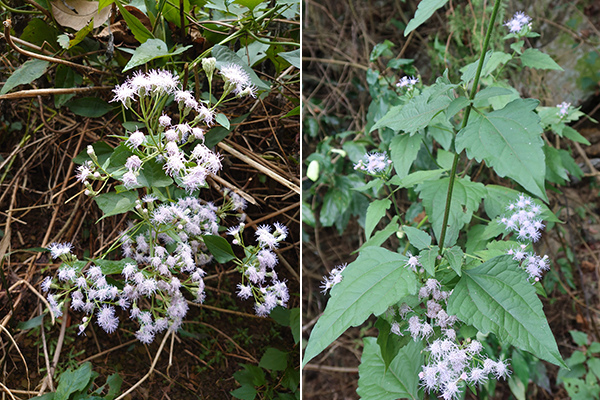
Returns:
<point x="518" y="21"/>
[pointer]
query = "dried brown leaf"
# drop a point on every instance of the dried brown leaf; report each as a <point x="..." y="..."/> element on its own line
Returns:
<point x="77" y="14"/>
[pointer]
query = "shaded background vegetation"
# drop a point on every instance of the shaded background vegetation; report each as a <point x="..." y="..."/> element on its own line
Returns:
<point x="338" y="38"/>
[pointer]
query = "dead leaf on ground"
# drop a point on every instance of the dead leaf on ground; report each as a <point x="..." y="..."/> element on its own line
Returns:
<point x="77" y="14"/>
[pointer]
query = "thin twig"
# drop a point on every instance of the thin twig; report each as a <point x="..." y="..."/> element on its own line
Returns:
<point x="259" y="167"/>
<point x="8" y="25"/>
<point x="162" y="345"/>
<point x="21" y="354"/>
<point x="23" y="94"/>
<point x="45" y="347"/>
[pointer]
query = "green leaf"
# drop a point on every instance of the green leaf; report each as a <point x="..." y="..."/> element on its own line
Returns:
<point x="424" y="11"/>
<point x="251" y="4"/>
<point x="92" y="107"/>
<point x="222" y="120"/>
<point x="114" y="382"/>
<point x="274" y="360"/>
<point x="455" y="255"/>
<point x="534" y="58"/>
<point x="416" y="177"/>
<point x="293" y="57"/>
<point x="218" y="133"/>
<point x="116" y="203"/>
<point x="73" y="381"/>
<point x="560" y="164"/>
<point x="246" y="392"/>
<point x="580" y="338"/>
<point x="575" y="136"/>
<point x="381" y="236"/>
<point x="498" y="198"/>
<point x="25" y="74"/>
<point x="110" y="267"/>
<point x="421" y="240"/>
<point x="140" y="32"/>
<point x="225" y="56"/>
<point x="219" y="247"/>
<point x="374" y="281"/>
<point x="400" y="380"/>
<point x="389" y="343"/>
<point x="428" y="258"/>
<point x="149" y="50"/>
<point x="509" y="140"/>
<point x="404" y="150"/>
<point x="295" y="323"/>
<point x="496" y="297"/>
<point x="32" y="323"/>
<point x="153" y="175"/>
<point x="335" y="203"/>
<point x="492" y="60"/>
<point x="465" y="200"/>
<point x="419" y="111"/>
<point x="375" y="212"/>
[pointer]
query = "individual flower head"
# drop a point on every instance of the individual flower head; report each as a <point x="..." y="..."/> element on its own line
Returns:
<point x="135" y="139"/>
<point x="124" y="93"/>
<point x="236" y="76"/>
<point x="518" y="21"/>
<point x="407" y="82"/>
<point x="373" y="163"/>
<point x="335" y="277"/>
<point x="563" y="109"/>
<point x="59" y="249"/>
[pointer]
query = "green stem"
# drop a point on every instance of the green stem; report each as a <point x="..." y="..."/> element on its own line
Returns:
<point x="486" y="44"/>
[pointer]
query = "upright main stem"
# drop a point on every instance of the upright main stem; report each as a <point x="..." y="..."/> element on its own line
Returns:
<point x="486" y="44"/>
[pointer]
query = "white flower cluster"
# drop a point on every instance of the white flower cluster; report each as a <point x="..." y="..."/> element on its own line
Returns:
<point x="259" y="265"/>
<point x="563" y="109"/>
<point x="407" y="82"/>
<point x="524" y="219"/>
<point x="373" y="163"/>
<point x="450" y="364"/>
<point x="518" y="21"/>
<point x="335" y="277"/>
<point x="526" y="223"/>
<point x="167" y="255"/>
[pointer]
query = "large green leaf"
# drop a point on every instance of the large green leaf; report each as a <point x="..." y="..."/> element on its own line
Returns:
<point x="496" y="297"/>
<point x="419" y="111"/>
<point x="534" y="58"/>
<point x="466" y="197"/>
<point x="149" y="50"/>
<point x="421" y="240"/>
<point x="404" y="150"/>
<point x="371" y="284"/>
<point x="498" y="197"/>
<point x="219" y="248"/>
<point x="153" y="175"/>
<point x="113" y="203"/>
<point x="73" y="381"/>
<point x="25" y="74"/>
<point x="92" y="107"/>
<point x="375" y="212"/>
<point x="509" y="140"/>
<point x="399" y="381"/>
<point x="424" y="11"/>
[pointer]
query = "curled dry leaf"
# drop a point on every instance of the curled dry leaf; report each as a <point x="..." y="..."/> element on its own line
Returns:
<point x="120" y="30"/>
<point x="77" y="14"/>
